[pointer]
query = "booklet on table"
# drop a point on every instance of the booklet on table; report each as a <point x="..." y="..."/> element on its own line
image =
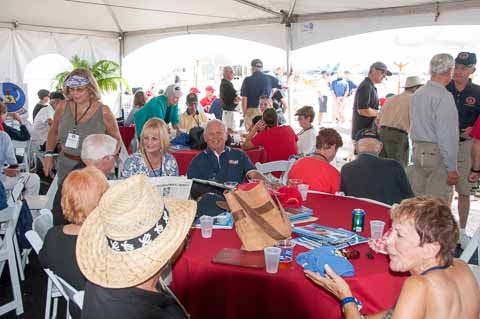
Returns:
<point x="315" y="235"/>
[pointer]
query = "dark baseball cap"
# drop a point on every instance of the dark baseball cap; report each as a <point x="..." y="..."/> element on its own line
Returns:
<point x="192" y="97"/>
<point x="43" y="93"/>
<point x="257" y="63"/>
<point x="466" y="58"/>
<point x="57" y="95"/>
<point x="367" y="133"/>
<point x="381" y="66"/>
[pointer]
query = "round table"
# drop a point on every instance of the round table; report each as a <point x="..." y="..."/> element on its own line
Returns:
<point x="220" y="291"/>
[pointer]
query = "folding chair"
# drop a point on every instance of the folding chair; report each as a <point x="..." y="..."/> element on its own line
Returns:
<point x="38" y="202"/>
<point x="275" y="166"/>
<point x="473" y="245"/>
<point x="54" y="288"/>
<point x="68" y="293"/>
<point x="78" y="298"/>
<point x="23" y="148"/>
<point x="7" y="255"/>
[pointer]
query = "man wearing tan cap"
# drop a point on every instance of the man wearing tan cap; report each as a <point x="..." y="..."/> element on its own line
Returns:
<point x="394" y="122"/>
<point x="467" y="99"/>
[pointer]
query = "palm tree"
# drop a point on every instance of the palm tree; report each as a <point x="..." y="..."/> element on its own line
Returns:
<point x="106" y="72"/>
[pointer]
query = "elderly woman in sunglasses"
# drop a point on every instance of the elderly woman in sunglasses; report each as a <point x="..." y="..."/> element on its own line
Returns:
<point x="80" y="115"/>
<point x="422" y="242"/>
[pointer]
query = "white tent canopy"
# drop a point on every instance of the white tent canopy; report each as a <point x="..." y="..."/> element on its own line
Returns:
<point x="111" y="29"/>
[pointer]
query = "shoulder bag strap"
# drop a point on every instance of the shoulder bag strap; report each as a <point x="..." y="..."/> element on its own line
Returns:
<point x="272" y="232"/>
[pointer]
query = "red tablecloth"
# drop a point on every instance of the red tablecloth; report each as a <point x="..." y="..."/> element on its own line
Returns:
<point x="184" y="157"/>
<point x="127" y="134"/>
<point x="219" y="291"/>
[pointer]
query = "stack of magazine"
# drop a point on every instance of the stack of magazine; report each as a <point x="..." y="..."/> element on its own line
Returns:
<point x="300" y="214"/>
<point x="222" y="221"/>
<point x="315" y="235"/>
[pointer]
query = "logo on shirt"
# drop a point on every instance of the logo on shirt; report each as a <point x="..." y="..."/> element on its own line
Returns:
<point x="233" y="162"/>
<point x="471" y="101"/>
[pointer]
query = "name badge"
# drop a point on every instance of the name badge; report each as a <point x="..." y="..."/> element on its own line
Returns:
<point x="72" y="140"/>
<point x="233" y="162"/>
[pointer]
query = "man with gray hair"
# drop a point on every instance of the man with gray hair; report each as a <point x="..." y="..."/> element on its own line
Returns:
<point x="373" y="177"/>
<point x="164" y="107"/>
<point x="218" y="162"/>
<point x="99" y="151"/>
<point x="229" y="99"/>
<point x="394" y="122"/>
<point x="434" y="133"/>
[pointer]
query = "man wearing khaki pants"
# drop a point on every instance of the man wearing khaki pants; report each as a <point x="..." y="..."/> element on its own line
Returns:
<point x="434" y="132"/>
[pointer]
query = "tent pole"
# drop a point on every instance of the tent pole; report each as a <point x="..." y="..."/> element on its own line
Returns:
<point x="289" y="71"/>
<point x="121" y="48"/>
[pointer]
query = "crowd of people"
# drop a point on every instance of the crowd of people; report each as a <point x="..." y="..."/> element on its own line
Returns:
<point x="80" y="138"/>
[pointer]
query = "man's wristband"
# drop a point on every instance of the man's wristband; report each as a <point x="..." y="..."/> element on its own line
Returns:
<point x="474" y="170"/>
<point x="347" y="300"/>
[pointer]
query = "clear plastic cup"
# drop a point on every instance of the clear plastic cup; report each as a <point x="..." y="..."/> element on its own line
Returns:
<point x="272" y="257"/>
<point x="376" y="229"/>
<point x="303" y="189"/>
<point x="286" y="255"/>
<point x="206" y="224"/>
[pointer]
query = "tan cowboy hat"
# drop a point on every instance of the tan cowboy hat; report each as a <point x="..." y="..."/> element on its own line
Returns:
<point x="132" y="234"/>
<point x="412" y="81"/>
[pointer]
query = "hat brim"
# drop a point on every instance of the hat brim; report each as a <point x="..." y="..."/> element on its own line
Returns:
<point x="111" y="269"/>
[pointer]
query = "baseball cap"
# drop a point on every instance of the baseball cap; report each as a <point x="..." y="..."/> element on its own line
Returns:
<point x="173" y="90"/>
<point x="191" y="97"/>
<point x="381" y="66"/>
<point x="57" y="95"/>
<point x="209" y="88"/>
<point x="366" y="133"/>
<point x="257" y="63"/>
<point x="43" y="93"/>
<point x="466" y="58"/>
<point x="194" y="90"/>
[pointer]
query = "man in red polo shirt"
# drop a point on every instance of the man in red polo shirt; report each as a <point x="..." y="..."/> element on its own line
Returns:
<point x="208" y="99"/>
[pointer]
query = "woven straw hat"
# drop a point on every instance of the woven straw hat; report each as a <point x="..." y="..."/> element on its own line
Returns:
<point x="132" y="234"/>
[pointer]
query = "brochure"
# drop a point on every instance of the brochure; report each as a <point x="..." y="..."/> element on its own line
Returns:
<point x="300" y="213"/>
<point x="315" y="235"/>
<point x="222" y="221"/>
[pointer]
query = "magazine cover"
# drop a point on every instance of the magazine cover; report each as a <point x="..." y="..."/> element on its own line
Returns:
<point x="295" y="214"/>
<point x="315" y="235"/>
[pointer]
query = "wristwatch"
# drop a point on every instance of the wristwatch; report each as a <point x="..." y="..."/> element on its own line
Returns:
<point x="346" y="300"/>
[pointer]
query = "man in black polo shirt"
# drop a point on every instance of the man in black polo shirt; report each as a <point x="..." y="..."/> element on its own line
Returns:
<point x="467" y="99"/>
<point x="229" y="99"/>
<point x="365" y="105"/>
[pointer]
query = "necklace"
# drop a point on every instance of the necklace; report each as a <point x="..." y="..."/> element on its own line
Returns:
<point x="304" y="130"/>
<point x="434" y="268"/>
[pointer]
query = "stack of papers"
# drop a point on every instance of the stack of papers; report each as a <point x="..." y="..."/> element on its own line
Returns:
<point x="222" y="221"/>
<point x="299" y="214"/>
<point x="315" y="235"/>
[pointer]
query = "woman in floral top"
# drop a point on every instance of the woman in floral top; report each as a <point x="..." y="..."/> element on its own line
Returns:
<point x="153" y="159"/>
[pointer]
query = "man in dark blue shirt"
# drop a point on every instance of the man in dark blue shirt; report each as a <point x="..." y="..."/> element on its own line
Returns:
<point x="467" y="99"/>
<point x="253" y="87"/>
<point x="219" y="163"/>
<point x="3" y="197"/>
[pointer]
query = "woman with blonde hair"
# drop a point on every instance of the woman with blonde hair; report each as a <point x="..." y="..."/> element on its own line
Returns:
<point x="81" y="193"/>
<point x="80" y="115"/>
<point x="264" y="102"/>
<point x="152" y="159"/>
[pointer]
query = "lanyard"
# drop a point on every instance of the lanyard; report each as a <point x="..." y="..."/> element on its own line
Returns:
<point x="151" y="166"/>
<point x="303" y="131"/>
<point x="321" y="155"/>
<point x="81" y="116"/>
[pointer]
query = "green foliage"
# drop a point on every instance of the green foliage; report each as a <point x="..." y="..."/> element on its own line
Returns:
<point x="106" y="72"/>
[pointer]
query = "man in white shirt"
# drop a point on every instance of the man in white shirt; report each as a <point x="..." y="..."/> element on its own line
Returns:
<point x="43" y="120"/>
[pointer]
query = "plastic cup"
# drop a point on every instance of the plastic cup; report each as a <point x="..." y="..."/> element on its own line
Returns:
<point x="206" y="224"/>
<point x="272" y="257"/>
<point x="286" y="255"/>
<point x="303" y="189"/>
<point x="376" y="229"/>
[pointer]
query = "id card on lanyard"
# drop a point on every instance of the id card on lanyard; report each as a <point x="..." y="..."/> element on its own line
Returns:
<point x="73" y="138"/>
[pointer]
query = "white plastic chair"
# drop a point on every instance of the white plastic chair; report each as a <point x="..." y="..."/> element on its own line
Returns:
<point x="23" y="148"/>
<point x="68" y="292"/>
<point x="38" y="202"/>
<point x="7" y="255"/>
<point x="43" y="223"/>
<point x="473" y="245"/>
<point x="275" y="166"/>
<point x="78" y="298"/>
<point x="54" y="288"/>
